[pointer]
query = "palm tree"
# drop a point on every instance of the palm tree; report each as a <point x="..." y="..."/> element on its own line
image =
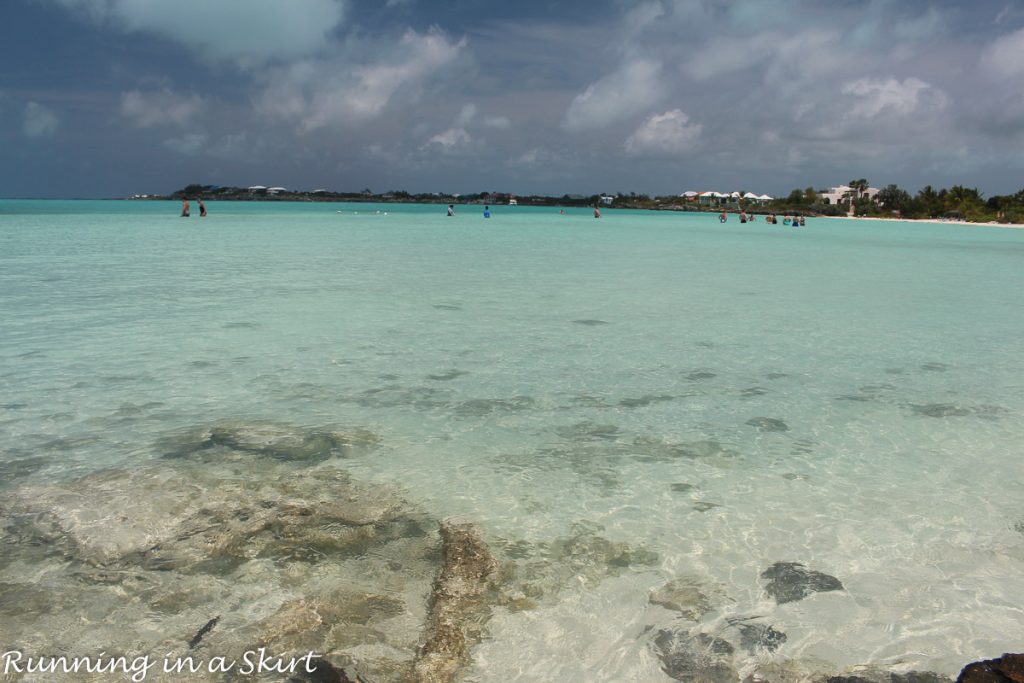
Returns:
<point x="859" y="186"/>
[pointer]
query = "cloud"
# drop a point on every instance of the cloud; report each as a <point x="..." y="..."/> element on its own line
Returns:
<point x="451" y="139"/>
<point x="636" y="86"/>
<point x="890" y="96"/>
<point x="245" y="31"/>
<point x="146" y="109"/>
<point x="189" y="144"/>
<point x="640" y="17"/>
<point x="317" y="93"/>
<point x="670" y="133"/>
<point x="467" y="115"/>
<point x="39" y="121"/>
<point x="497" y="122"/>
<point x="725" y="55"/>
<point x="1004" y="58"/>
<point x="535" y="158"/>
<point x="781" y="56"/>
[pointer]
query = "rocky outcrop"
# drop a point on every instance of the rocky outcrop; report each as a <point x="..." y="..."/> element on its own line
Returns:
<point x="542" y="570"/>
<point x="888" y="677"/>
<point x="687" y="595"/>
<point x="700" y="658"/>
<point x="792" y="581"/>
<point x="198" y="557"/>
<point x="768" y="424"/>
<point x="1006" y="669"/>
<point x="458" y="608"/>
<point x="267" y="439"/>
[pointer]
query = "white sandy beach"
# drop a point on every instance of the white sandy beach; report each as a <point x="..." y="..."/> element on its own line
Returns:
<point x="925" y="220"/>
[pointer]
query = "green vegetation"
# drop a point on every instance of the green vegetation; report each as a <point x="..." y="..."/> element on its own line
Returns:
<point x="225" y="193"/>
<point x="892" y="201"/>
<point x="955" y="203"/>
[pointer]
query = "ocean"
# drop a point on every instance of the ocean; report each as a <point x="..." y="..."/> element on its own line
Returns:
<point x="691" y="446"/>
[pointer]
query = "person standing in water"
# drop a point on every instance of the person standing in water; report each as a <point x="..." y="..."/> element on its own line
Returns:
<point x="597" y="212"/>
<point x="202" y="207"/>
<point x="451" y="209"/>
<point x="487" y="211"/>
<point x="184" y="207"/>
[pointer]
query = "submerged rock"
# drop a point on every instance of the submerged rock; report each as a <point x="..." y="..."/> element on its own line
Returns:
<point x="941" y="410"/>
<point x="447" y="376"/>
<point x="320" y="670"/>
<point x="20" y="467"/>
<point x="688" y="595"/>
<point x="480" y="407"/>
<point x="199" y="560"/>
<point x="657" y="450"/>
<point x="755" y="637"/>
<point x="791" y="581"/>
<point x="700" y="658"/>
<point x="878" y="676"/>
<point x="458" y="606"/>
<point x="543" y="569"/>
<point x="699" y="375"/>
<point x="768" y="424"/>
<point x="588" y="431"/>
<point x="420" y="398"/>
<point x="1006" y="669"/>
<point x="281" y="442"/>
<point x="645" y="400"/>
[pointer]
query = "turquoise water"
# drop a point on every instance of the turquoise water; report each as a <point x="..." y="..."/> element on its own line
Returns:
<point x="849" y="396"/>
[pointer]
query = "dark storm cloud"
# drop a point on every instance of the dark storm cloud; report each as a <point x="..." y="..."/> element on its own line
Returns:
<point x="111" y="97"/>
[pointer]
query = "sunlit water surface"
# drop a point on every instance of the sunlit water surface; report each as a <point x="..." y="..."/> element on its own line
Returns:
<point x="849" y="396"/>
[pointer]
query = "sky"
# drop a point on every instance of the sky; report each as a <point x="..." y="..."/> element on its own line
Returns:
<point x="109" y="98"/>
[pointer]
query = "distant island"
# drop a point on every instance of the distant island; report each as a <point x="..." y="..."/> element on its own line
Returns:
<point x="856" y="199"/>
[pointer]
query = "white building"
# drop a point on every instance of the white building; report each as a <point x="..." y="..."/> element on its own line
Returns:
<point x="844" y="194"/>
<point x="712" y="198"/>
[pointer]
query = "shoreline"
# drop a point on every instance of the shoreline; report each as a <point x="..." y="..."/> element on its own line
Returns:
<point x="530" y="202"/>
<point x="934" y="221"/>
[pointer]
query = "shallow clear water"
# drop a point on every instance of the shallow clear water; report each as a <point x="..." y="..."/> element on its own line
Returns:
<point x="540" y="373"/>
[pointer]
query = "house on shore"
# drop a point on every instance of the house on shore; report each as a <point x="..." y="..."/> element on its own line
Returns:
<point x="712" y="198"/>
<point x="844" y="194"/>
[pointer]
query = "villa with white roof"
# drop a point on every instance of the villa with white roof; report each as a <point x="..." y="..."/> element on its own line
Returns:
<point x="712" y="198"/>
<point x="843" y="194"/>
